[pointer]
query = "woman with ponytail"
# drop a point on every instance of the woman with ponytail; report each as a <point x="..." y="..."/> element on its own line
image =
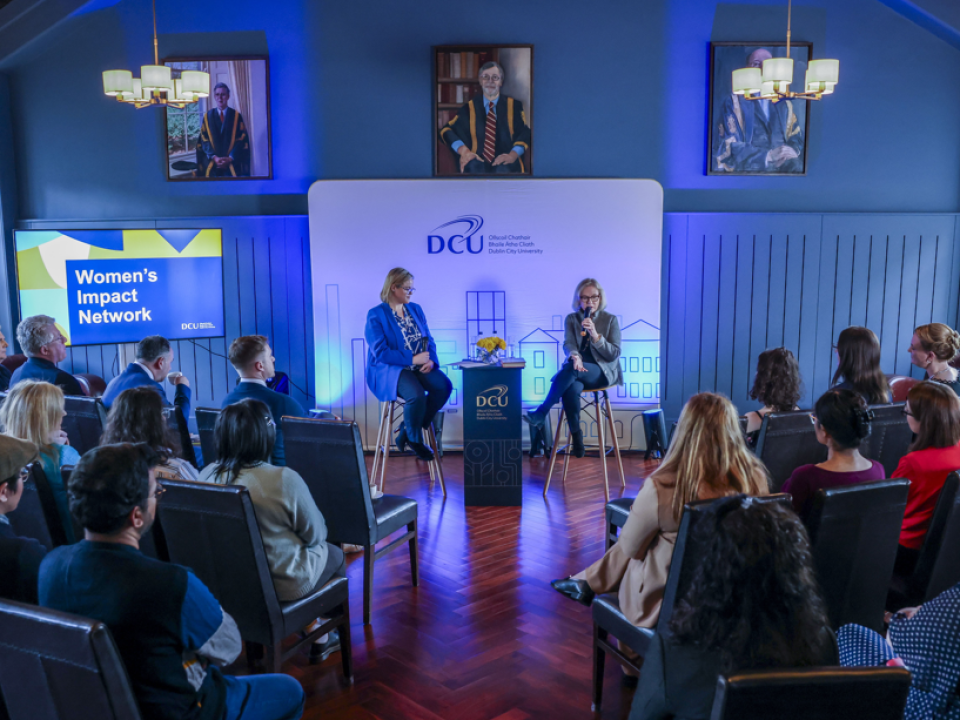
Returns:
<point x="932" y="348"/>
<point x="842" y="422"/>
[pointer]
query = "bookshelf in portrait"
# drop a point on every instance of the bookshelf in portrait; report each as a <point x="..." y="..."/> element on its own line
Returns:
<point x="469" y="141"/>
<point x="225" y="136"/>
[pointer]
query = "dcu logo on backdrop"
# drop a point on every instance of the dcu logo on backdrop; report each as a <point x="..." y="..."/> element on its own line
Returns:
<point x="465" y="239"/>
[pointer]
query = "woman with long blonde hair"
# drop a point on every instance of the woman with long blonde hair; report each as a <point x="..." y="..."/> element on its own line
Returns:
<point x="707" y="459"/>
<point x="34" y="411"/>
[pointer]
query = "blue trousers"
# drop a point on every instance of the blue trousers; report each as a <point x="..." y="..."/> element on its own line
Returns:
<point x="567" y="386"/>
<point x="263" y="697"/>
<point x="423" y="395"/>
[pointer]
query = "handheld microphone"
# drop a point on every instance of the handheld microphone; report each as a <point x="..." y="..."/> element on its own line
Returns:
<point x="586" y="314"/>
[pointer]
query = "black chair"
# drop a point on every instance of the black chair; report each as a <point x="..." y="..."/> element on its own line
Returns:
<point x="86" y="418"/>
<point x="609" y="620"/>
<point x="616" y="513"/>
<point x="36" y="516"/>
<point x="178" y="425"/>
<point x="212" y="529"/>
<point x="854" y="531"/>
<point x="56" y="666"/>
<point x="206" y="421"/>
<point x="938" y="566"/>
<point x="824" y="693"/>
<point x="788" y="440"/>
<point x="328" y="454"/>
<point x="890" y="436"/>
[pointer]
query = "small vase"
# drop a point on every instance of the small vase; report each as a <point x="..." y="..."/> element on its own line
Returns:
<point x="491" y="358"/>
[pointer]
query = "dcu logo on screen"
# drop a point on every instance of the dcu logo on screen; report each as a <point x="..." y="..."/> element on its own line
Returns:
<point x="464" y="239"/>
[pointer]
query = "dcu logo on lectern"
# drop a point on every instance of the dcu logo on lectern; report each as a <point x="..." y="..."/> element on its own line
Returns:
<point x="495" y="396"/>
<point x="465" y="240"/>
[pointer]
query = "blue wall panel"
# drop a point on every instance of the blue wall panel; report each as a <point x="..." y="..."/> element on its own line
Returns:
<point x="809" y="277"/>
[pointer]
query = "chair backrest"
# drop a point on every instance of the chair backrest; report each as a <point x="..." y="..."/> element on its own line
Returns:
<point x="328" y="455"/>
<point x="938" y="566"/>
<point x="854" y="531"/>
<point x="825" y="693"/>
<point x="206" y="422"/>
<point x="899" y="387"/>
<point x="32" y="517"/>
<point x="12" y="362"/>
<point x="788" y="440"/>
<point x="686" y="555"/>
<point x="85" y="421"/>
<point x="890" y="436"/>
<point x="56" y="666"/>
<point x="92" y="385"/>
<point x="212" y="529"/>
<point x="177" y="423"/>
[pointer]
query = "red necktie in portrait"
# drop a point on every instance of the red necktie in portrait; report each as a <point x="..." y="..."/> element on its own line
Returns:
<point x="221" y="117"/>
<point x="490" y="135"/>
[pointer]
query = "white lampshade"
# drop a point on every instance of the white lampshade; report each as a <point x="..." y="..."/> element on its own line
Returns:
<point x="767" y="90"/>
<point x="117" y="82"/>
<point x="778" y="70"/>
<point x="746" y="81"/>
<point x="196" y="83"/>
<point x="136" y="94"/>
<point x="826" y="71"/>
<point x="156" y="77"/>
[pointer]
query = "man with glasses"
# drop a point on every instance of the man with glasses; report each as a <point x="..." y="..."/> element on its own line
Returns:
<point x="172" y="633"/>
<point x="489" y="133"/>
<point x="45" y="346"/>
<point x="20" y="557"/>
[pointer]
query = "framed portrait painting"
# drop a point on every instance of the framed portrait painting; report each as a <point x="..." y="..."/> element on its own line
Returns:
<point x="483" y="110"/>
<point x="756" y="137"/>
<point x="225" y="136"/>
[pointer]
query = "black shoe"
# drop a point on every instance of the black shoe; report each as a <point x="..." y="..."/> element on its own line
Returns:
<point x="629" y="681"/>
<point x="578" y="448"/>
<point x="422" y="451"/>
<point x="535" y="418"/>
<point x="402" y="439"/>
<point x="575" y="590"/>
<point x="321" y="651"/>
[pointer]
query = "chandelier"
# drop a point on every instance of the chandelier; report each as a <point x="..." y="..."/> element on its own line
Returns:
<point x="155" y="86"/>
<point x="773" y="81"/>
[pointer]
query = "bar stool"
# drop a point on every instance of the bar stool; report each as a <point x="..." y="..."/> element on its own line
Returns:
<point x="381" y="451"/>
<point x="603" y="414"/>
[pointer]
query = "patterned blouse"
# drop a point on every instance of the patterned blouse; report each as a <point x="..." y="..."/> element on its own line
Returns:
<point x="411" y="333"/>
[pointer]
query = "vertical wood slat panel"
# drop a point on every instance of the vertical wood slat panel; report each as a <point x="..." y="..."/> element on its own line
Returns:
<point x="672" y="304"/>
<point x="742" y="376"/>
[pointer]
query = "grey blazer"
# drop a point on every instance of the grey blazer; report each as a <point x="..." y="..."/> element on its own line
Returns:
<point x="606" y="352"/>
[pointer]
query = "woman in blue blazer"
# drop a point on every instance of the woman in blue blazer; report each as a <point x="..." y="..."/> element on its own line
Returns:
<point x="402" y="360"/>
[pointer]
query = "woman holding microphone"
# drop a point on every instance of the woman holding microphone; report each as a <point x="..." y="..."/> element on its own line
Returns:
<point x="402" y="360"/>
<point x="591" y="341"/>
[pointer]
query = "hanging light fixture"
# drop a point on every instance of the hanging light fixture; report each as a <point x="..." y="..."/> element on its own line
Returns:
<point x="773" y="81"/>
<point x="155" y="86"/>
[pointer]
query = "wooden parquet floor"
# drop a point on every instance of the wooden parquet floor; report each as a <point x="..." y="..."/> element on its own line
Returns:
<point x="484" y="636"/>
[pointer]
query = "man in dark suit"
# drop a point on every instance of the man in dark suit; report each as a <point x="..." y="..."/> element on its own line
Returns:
<point x="224" y="146"/>
<point x="253" y="360"/>
<point x="45" y="346"/>
<point x="19" y="557"/>
<point x="154" y="363"/>
<point x="490" y="132"/>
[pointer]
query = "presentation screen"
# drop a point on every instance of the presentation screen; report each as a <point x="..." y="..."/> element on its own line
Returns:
<point x="119" y="286"/>
<point x="489" y="257"/>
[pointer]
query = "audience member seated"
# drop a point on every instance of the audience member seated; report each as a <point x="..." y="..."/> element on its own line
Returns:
<point x="19" y="557"/>
<point x="777" y="386"/>
<point x="753" y="604"/>
<point x="842" y="422"/>
<point x="154" y="363"/>
<point x="171" y="632"/>
<point x="5" y="373"/>
<point x="253" y="360"/>
<point x="933" y="414"/>
<point x="294" y="532"/>
<point x="858" y="355"/>
<point x="136" y="416"/>
<point x="708" y="458"/>
<point x="932" y="347"/>
<point x="33" y="411"/>
<point x="45" y="346"/>
<point x="925" y="640"/>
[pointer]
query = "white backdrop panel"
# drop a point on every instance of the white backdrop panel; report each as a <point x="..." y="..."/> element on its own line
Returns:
<point x="487" y="255"/>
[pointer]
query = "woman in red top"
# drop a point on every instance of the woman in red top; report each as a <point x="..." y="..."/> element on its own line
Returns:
<point x="933" y="413"/>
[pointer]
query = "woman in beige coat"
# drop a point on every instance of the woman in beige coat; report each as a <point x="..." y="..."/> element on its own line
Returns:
<point x="707" y="459"/>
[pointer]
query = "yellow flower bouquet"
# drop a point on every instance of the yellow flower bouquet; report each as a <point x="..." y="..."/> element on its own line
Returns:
<point x="490" y="347"/>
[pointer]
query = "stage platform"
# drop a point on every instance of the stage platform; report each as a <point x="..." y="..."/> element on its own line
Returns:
<point x="484" y="637"/>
